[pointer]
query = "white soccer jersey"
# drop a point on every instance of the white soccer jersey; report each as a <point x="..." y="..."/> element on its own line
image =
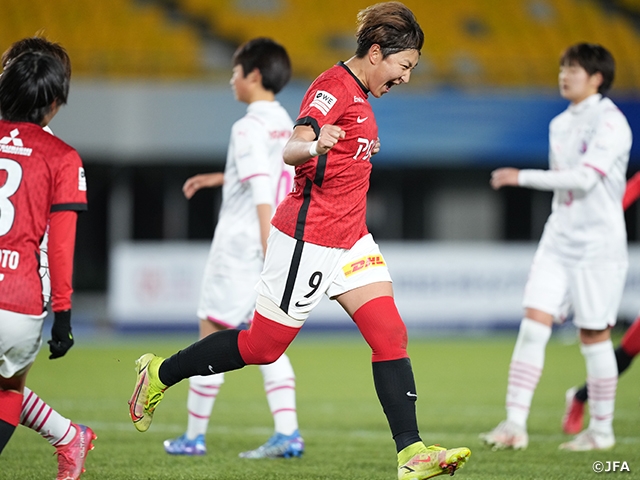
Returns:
<point x="255" y="149"/>
<point x="236" y="257"/>
<point x="589" y="146"/>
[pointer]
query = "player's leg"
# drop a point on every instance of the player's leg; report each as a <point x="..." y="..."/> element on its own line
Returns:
<point x="545" y="299"/>
<point x="72" y="441"/>
<point x="525" y="370"/>
<point x="378" y="320"/>
<point x="20" y="339"/>
<point x="220" y="352"/>
<point x="203" y="391"/>
<point x="280" y="387"/>
<point x="598" y="292"/>
<point x="10" y="405"/>
<point x="602" y="381"/>
<point x="629" y="347"/>
<point x="363" y="288"/>
<point x="40" y="417"/>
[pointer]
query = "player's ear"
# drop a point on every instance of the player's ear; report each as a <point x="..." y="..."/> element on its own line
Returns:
<point x="255" y="76"/>
<point x="375" y="54"/>
<point x="596" y="79"/>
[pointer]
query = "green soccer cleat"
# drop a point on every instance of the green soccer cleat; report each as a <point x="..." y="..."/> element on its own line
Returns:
<point x="148" y="393"/>
<point x="433" y="461"/>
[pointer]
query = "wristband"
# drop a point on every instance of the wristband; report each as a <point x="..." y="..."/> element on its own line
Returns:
<point x="312" y="149"/>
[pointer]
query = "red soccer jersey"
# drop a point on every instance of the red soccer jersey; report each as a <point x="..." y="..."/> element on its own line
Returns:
<point x="328" y="203"/>
<point x="39" y="174"/>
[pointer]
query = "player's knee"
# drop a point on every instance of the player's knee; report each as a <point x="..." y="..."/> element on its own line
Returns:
<point x="383" y="329"/>
<point x="260" y="352"/>
<point x="265" y="341"/>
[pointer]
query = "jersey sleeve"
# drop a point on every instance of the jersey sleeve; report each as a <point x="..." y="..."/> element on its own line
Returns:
<point x="323" y="104"/>
<point x="611" y="140"/>
<point x="70" y="187"/>
<point x="251" y="150"/>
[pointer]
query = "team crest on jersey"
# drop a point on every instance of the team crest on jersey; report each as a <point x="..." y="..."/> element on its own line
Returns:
<point x="13" y="144"/>
<point x="362" y="264"/>
<point x="82" y="180"/>
<point x="324" y="101"/>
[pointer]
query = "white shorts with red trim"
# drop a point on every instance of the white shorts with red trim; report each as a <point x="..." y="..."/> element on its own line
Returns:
<point x="20" y="341"/>
<point x="228" y="295"/>
<point x="297" y="274"/>
<point x="593" y="292"/>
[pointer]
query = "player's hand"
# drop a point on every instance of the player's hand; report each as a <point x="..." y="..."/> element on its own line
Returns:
<point x="376" y="147"/>
<point x="504" y="177"/>
<point x="329" y="136"/>
<point x="61" y="336"/>
<point x="202" y="180"/>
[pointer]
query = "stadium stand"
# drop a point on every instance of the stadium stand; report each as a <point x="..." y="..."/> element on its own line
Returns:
<point x="108" y="38"/>
<point x="511" y="43"/>
<point x="469" y="43"/>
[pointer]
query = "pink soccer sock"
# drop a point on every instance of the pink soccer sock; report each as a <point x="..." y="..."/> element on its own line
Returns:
<point x="280" y="387"/>
<point x="602" y="381"/>
<point x="39" y="416"/>
<point x="525" y="369"/>
<point x="203" y="391"/>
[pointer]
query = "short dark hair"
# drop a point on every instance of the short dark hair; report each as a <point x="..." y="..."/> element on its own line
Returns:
<point x="389" y="24"/>
<point x="269" y="57"/>
<point x="593" y="58"/>
<point x="37" y="44"/>
<point x="30" y="85"/>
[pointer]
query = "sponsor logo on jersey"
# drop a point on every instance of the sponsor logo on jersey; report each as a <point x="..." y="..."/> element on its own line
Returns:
<point x="324" y="101"/>
<point x="361" y="119"/>
<point x="82" y="180"/>
<point x="363" y="264"/>
<point x="17" y="148"/>
<point x="358" y="99"/>
<point x="276" y="134"/>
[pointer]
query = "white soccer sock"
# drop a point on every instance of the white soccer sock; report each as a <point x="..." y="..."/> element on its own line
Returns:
<point x="40" y="417"/>
<point x="525" y="369"/>
<point x="602" y="381"/>
<point x="202" y="395"/>
<point x="280" y="387"/>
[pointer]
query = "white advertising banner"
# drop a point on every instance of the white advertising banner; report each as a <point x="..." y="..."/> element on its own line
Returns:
<point x="435" y="284"/>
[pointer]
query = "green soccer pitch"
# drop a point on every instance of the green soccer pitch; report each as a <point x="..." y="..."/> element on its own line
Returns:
<point x="461" y="385"/>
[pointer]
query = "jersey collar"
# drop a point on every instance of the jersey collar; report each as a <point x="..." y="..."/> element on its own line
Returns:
<point x="584" y="104"/>
<point x="344" y="65"/>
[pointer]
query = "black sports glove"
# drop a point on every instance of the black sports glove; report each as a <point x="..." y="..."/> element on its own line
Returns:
<point x="61" y="336"/>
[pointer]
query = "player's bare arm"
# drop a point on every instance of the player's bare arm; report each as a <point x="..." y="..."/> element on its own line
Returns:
<point x="202" y="180"/>
<point x="303" y="146"/>
<point x="504" y="177"/>
<point x="264" y="218"/>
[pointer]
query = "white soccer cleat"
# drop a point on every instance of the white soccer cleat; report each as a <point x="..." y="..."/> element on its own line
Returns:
<point x="506" y="435"/>
<point x="590" y="440"/>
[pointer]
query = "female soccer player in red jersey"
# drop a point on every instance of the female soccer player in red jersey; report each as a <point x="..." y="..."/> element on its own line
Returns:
<point x="43" y="186"/>
<point x="70" y="440"/>
<point x="319" y="245"/>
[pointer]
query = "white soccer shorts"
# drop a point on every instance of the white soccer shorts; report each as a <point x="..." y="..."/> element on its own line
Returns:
<point x="592" y="292"/>
<point x="20" y="341"/>
<point x="228" y="295"/>
<point x="297" y="274"/>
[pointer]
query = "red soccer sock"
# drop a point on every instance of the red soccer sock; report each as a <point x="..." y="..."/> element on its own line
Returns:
<point x="631" y="339"/>
<point x="10" y="408"/>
